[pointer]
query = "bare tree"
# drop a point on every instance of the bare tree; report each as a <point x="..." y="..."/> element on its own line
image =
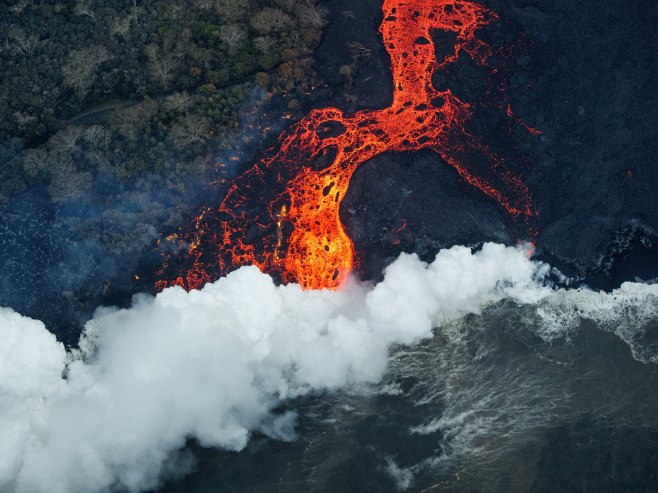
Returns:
<point x="178" y="102"/>
<point x="231" y="9"/>
<point x="81" y="67"/>
<point x="19" y="6"/>
<point x="162" y="64"/>
<point x="136" y="11"/>
<point x="264" y="43"/>
<point x="60" y="163"/>
<point x="234" y="36"/>
<point x="311" y="16"/>
<point x="66" y="141"/>
<point x="270" y="20"/>
<point x="357" y="50"/>
<point x="82" y="8"/>
<point x="64" y="186"/>
<point x="121" y="26"/>
<point x="35" y="161"/>
<point x="23" y="43"/>
<point x="190" y="130"/>
<point x="126" y="123"/>
<point x="99" y="159"/>
<point x="97" y="137"/>
<point x="129" y="121"/>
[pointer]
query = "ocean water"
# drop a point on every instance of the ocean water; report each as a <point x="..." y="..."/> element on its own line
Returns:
<point x="559" y="396"/>
<point x="525" y="384"/>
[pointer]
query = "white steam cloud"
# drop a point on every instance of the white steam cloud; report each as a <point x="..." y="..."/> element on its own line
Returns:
<point x="213" y="365"/>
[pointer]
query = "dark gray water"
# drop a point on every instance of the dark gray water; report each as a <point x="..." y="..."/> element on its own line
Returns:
<point x="501" y="402"/>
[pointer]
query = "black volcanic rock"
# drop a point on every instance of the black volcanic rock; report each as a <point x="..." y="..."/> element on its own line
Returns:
<point x="356" y="22"/>
<point x="592" y="72"/>
<point x="415" y="202"/>
<point x="582" y="73"/>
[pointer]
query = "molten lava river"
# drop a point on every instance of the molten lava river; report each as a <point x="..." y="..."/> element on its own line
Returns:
<point x="283" y="213"/>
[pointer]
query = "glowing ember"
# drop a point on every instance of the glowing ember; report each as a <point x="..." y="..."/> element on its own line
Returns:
<point x="283" y="214"/>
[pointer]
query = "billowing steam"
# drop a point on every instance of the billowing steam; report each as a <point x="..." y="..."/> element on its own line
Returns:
<point x="214" y="365"/>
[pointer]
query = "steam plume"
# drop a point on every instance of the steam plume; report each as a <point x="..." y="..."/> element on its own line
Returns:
<point x="212" y="365"/>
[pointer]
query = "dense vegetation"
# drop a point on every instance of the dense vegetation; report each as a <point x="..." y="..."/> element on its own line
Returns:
<point x="117" y="117"/>
<point x="119" y="90"/>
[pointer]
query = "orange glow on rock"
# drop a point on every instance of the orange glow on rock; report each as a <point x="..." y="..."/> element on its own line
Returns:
<point x="282" y="215"/>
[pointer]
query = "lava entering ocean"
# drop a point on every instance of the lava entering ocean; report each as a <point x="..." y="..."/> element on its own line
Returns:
<point x="282" y="215"/>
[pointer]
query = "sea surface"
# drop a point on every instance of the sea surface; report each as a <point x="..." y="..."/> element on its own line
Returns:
<point x="516" y="399"/>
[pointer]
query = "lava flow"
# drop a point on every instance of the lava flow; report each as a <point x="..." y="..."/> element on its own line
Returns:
<point x="283" y="214"/>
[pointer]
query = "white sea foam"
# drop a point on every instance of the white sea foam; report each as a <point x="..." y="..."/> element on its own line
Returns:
<point x="492" y="400"/>
<point x="626" y="311"/>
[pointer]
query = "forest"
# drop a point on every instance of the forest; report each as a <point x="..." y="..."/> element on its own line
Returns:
<point x="124" y="88"/>
<point x="118" y="118"/>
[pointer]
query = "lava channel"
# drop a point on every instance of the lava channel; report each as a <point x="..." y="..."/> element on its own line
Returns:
<point x="282" y="215"/>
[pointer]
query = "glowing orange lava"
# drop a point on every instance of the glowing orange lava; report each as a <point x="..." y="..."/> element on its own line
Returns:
<point x="283" y="214"/>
